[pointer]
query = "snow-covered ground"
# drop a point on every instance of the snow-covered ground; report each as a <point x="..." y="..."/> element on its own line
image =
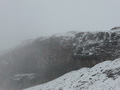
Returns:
<point x="103" y="76"/>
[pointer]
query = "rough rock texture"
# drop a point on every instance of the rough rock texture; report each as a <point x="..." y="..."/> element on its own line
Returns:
<point x="103" y="76"/>
<point x="46" y="58"/>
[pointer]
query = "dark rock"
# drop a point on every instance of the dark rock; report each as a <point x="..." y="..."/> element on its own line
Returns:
<point x="49" y="58"/>
<point x="115" y="28"/>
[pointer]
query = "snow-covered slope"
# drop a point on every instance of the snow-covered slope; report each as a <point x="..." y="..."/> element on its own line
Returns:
<point x="48" y="58"/>
<point x="103" y="76"/>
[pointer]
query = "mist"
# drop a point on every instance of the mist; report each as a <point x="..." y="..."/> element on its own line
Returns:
<point x="27" y="19"/>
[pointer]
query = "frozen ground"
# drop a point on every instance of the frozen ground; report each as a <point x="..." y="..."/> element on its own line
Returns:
<point x="103" y="76"/>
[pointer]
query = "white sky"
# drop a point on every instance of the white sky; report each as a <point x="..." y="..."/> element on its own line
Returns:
<point x="25" y="19"/>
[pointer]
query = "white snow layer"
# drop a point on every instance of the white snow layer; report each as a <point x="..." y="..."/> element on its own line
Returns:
<point x="103" y="76"/>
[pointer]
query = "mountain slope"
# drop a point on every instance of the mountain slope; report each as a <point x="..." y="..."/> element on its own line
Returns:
<point x="46" y="58"/>
<point x="103" y="76"/>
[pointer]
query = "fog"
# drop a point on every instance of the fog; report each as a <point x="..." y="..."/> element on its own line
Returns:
<point x="26" y="19"/>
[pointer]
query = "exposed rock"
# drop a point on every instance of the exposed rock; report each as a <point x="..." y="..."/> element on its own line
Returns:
<point x="51" y="57"/>
<point x="116" y="28"/>
<point x="103" y="76"/>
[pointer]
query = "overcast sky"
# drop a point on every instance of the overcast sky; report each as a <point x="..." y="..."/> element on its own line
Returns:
<point x="25" y="19"/>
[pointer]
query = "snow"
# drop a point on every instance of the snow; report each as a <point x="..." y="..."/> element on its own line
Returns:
<point x="20" y="76"/>
<point x="103" y="76"/>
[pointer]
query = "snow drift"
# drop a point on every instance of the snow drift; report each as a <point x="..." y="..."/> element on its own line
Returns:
<point x="103" y="76"/>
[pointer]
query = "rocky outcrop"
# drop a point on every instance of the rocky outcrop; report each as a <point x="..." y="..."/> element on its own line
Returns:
<point x="103" y="76"/>
<point x="47" y="58"/>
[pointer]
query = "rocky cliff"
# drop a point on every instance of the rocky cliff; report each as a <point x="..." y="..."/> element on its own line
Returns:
<point x="103" y="76"/>
<point x="46" y="58"/>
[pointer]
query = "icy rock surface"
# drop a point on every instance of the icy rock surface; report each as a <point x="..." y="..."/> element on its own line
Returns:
<point x="103" y="76"/>
<point x="51" y="57"/>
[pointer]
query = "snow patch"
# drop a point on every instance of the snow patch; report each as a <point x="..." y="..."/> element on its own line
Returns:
<point x="95" y="78"/>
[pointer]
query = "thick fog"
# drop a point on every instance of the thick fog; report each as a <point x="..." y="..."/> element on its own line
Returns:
<point x="25" y="19"/>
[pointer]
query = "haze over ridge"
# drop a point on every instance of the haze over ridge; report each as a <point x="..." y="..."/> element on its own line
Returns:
<point x="25" y="19"/>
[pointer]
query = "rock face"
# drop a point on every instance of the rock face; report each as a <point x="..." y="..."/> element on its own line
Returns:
<point x="46" y="58"/>
<point x="116" y="28"/>
<point x="103" y="76"/>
